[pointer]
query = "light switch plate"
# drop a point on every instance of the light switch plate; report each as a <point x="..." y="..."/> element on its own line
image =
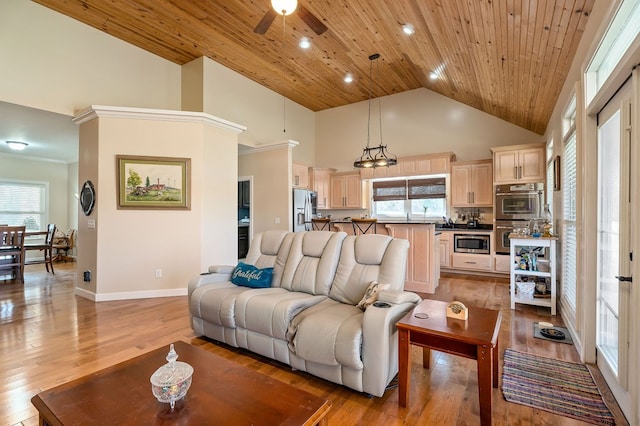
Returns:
<point x="91" y="224"/>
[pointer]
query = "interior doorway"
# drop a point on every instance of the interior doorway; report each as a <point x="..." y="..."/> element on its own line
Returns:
<point x="245" y="214"/>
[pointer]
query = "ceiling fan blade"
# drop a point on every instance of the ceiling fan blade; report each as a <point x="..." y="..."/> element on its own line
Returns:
<point x="265" y="22"/>
<point x="310" y="19"/>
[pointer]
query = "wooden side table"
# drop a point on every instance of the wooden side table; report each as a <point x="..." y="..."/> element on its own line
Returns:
<point x="475" y="338"/>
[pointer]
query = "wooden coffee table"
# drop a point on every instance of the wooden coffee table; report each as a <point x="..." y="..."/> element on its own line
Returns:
<point x="222" y="392"/>
<point x="475" y="338"/>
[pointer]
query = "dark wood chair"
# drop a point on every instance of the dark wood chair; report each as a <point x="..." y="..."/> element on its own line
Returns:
<point x="62" y="245"/>
<point x="12" y="251"/>
<point x="45" y="246"/>
<point x="321" y="224"/>
<point x="364" y="226"/>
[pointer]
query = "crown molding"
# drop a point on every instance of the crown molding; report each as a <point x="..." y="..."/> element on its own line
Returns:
<point x="102" y="111"/>
<point x="263" y="148"/>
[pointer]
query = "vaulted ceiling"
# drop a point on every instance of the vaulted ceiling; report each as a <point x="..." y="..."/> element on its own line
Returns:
<point x="508" y="58"/>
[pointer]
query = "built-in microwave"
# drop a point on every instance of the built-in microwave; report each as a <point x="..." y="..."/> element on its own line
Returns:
<point x="471" y="243"/>
<point x="519" y="202"/>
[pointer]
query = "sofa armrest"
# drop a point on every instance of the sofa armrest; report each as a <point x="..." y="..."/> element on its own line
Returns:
<point x="397" y="296"/>
<point x="380" y="341"/>
<point x="210" y="277"/>
<point x="221" y="269"/>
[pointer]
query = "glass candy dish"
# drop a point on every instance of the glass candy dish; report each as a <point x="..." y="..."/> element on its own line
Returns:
<point x="171" y="382"/>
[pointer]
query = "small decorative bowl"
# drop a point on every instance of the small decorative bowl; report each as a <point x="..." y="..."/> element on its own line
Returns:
<point x="171" y="382"/>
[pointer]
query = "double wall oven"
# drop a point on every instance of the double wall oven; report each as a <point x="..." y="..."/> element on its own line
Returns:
<point x="516" y="205"/>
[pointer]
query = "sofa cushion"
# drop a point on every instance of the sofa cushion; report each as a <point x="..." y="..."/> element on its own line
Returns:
<point x="250" y="276"/>
<point x="269" y="311"/>
<point x="368" y="258"/>
<point x="329" y="333"/>
<point x="312" y="262"/>
<point x="215" y="303"/>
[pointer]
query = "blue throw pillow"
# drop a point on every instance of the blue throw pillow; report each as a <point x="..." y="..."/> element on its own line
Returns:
<point x="250" y="276"/>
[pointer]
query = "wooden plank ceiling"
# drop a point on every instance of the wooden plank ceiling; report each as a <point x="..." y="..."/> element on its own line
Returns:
<point x="508" y="58"/>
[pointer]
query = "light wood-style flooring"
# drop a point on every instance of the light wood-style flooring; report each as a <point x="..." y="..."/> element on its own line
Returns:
<point x="50" y="336"/>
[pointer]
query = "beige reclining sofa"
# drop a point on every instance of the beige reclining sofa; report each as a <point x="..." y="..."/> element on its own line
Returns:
<point x="308" y="318"/>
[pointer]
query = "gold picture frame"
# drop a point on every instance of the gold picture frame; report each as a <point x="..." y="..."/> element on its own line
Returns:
<point x="153" y="182"/>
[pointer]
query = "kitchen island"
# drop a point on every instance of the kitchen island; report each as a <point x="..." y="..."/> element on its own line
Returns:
<point x="423" y="262"/>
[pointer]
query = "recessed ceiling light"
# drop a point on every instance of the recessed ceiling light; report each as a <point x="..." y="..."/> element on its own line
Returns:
<point x="305" y="43"/>
<point x="18" y="146"/>
<point x="408" y="29"/>
<point x="348" y="78"/>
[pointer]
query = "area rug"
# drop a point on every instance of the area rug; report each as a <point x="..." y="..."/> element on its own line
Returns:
<point x="567" y="338"/>
<point x="560" y="387"/>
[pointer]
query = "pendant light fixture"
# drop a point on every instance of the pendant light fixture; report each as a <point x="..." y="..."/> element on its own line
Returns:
<point x="376" y="156"/>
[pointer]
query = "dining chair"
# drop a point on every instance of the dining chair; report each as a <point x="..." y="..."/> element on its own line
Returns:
<point x="12" y="251"/>
<point x="364" y="226"/>
<point x="46" y="247"/>
<point x="321" y="224"/>
<point x="63" y="245"/>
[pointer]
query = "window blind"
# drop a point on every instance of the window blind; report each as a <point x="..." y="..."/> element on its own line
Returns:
<point x="569" y="228"/>
<point x="388" y="190"/>
<point x="22" y="203"/>
<point x="420" y="189"/>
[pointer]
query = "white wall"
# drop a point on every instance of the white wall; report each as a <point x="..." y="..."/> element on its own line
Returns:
<point x="58" y="64"/>
<point x="272" y="197"/>
<point x="55" y="175"/>
<point x="130" y="245"/>
<point x="209" y="87"/>
<point x="415" y="122"/>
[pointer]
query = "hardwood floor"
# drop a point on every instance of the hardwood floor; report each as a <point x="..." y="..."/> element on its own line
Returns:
<point x="50" y="336"/>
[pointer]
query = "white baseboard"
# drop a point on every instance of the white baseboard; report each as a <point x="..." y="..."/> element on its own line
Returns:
<point x="130" y="295"/>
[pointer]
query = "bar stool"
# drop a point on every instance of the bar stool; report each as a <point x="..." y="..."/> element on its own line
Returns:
<point x="321" y="224"/>
<point x="364" y="226"/>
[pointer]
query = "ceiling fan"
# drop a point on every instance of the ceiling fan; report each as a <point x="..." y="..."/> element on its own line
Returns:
<point x="287" y="7"/>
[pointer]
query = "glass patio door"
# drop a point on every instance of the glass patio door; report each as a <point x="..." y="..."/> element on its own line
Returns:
<point x="613" y="242"/>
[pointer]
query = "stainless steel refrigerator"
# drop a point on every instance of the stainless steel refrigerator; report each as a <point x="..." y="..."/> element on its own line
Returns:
<point x="304" y="208"/>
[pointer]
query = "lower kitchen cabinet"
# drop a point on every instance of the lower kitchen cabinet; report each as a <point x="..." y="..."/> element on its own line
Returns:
<point x="445" y="250"/>
<point x="243" y="241"/>
<point x="476" y="262"/>
<point x="423" y="263"/>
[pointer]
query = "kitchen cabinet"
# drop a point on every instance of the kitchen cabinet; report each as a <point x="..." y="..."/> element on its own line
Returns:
<point x="430" y="164"/>
<point x="519" y="164"/>
<point x="474" y="262"/>
<point x="320" y="184"/>
<point x="345" y="191"/>
<point x="445" y="249"/>
<point x="300" y="174"/>
<point x="472" y="184"/>
<point x="244" y="194"/>
<point x="524" y="280"/>
<point x="423" y="260"/>
<point x="243" y="241"/>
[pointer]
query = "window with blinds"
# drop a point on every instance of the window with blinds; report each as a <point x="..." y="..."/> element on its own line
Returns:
<point x="569" y="228"/>
<point x="417" y="198"/>
<point x="23" y="203"/>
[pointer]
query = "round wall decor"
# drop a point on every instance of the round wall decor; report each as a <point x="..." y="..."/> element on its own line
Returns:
<point x="87" y="197"/>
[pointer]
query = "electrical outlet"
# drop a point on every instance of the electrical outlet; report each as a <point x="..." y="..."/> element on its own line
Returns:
<point x="158" y="273"/>
<point x="277" y="220"/>
<point x="86" y="276"/>
<point x="481" y="216"/>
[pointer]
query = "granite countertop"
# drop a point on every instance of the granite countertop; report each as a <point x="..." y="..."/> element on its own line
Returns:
<point x="482" y="227"/>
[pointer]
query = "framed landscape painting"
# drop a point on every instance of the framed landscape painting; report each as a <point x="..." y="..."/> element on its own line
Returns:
<point x="153" y="182"/>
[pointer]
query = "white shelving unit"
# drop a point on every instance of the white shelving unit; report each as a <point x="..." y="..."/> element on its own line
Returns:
<point x="546" y="271"/>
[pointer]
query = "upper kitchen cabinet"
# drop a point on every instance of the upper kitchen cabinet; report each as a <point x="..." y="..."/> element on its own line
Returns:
<point x="346" y="191"/>
<point x="300" y="174"/>
<point x="320" y="184"/>
<point x="244" y="194"/>
<point x="432" y="164"/>
<point x="519" y="163"/>
<point x="472" y="184"/>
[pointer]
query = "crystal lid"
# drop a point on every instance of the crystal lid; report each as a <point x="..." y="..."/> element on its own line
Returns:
<point x="173" y="372"/>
